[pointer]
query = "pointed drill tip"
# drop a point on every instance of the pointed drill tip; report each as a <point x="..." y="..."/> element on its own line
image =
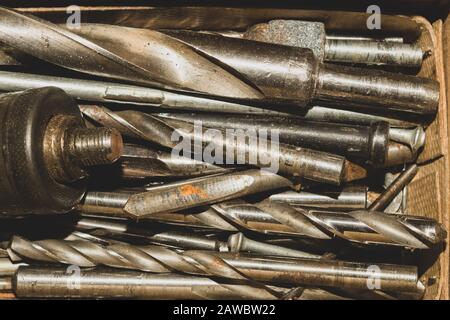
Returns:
<point x="440" y="233"/>
<point x="353" y="171"/>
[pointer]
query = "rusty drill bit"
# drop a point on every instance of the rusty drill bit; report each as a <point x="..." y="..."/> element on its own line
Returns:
<point x="394" y="188"/>
<point x="121" y="53"/>
<point x="299" y="162"/>
<point x="367" y="227"/>
<point x="315" y="272"/>
<point x="202" y="191"/>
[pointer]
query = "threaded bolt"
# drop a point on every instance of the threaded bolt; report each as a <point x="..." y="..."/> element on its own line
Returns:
<point x="69" y="148"/>
<point x="94" y="146"/>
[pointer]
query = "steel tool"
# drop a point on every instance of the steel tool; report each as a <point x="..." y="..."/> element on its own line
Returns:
<point x="46" y="150"/>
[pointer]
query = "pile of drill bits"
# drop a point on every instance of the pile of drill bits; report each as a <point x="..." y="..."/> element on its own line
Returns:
<point x="210" y="165"/>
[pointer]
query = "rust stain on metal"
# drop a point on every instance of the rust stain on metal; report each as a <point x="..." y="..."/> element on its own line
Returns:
<point x="190" y="190"/>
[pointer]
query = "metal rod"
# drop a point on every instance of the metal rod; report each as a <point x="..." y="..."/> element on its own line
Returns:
<point x="45" y="282"/>
<point x="110" y="92"/>
<point x="270" y="68"/>
<point x="298" y="271"/>
<point x="394" y="188"/>
<point x="346" y="198"/>
<point x="367" y="142"/>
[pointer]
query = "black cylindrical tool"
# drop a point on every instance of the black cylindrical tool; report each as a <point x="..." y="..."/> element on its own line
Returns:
<point x="45" y="148"/>
<point x="367" y="142"/>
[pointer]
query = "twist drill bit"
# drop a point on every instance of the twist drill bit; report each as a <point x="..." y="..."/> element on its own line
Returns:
<point x="202" y="191"/>
<point x="143" y="162"/>
<point x="366" y="227"/>
<point x="134" y="55"/>
<point x="369" y="143"/>
<point x="394" y="188"/>
<point x="236" y="242"/>
<point x="299" y="162"/>
<point x="348" y="198"/>
<point x="111" y="92"/>
<point x="311" y="35"/>
<point x="292" y="73"/>
<point x="315" y="272"/>
<point x="362" y="117"/>
<point x="45" y="282"/>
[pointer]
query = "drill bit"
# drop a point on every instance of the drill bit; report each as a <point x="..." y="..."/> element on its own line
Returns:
<point x="121" y="53"/>
<point x="367" y="142"/>
<point x="413" y="138"/>
<point x="201" y="191"/>
<point x="236" y="242"/>
<point x="111" y="92"/>
<point x="363" y="117"/>
<point x="394" y="188"/>
<point x="349" y="197"/>
<point x="292" y="73"/>
<point x="298" y="271"/>
<point x="311" y="35"/>
<point x="297" y="162"/>
<point x="98" y="283"/>
<point x="138" y="162"/>
<point x="267" y="217"/>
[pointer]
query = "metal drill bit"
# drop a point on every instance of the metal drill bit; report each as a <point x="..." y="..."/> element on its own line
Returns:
<point x="143" y="162"/>
<point x="309" y="34"/>
<point x="120" y="53"/>
<point x="299" y="271"/>
<point x="236" y="243"/>
<point x="398" y="153"/>
<point x="394" y="188"/>
<point x="367" y="142"/>
<point x="277" y="218"/>
<point x="98" y="283"/>
<point x="298" y="162"/>
<point x="207" y="190"/>
<point x="292" y="73"/>
<point x="363" y="117"/>
<point x="7" y="267"/>
<point x="349" y="197"/>
<point x="110" y="92"/>
<point x="239" y="243"/>
<point x="413" y="138"/>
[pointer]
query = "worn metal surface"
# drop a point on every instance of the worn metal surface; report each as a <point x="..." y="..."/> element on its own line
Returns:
<point x="157" y="259"/>
<point x="202" y="191"/>
<point x="111" y="92"/>
<point x="394" y="188"/>
<point x="45" y="149"/>
<point x="293" y="73"/>
<point x="311" y="35"/>
<point x="265" y="153"/>
<point x="367" y="142"/>
<point x="345" y="198"/>
<point x="40" y="282"/>
<point x="139" y="162"/>
<point x="120" y="53"/>
<point x="268" y="217"/>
